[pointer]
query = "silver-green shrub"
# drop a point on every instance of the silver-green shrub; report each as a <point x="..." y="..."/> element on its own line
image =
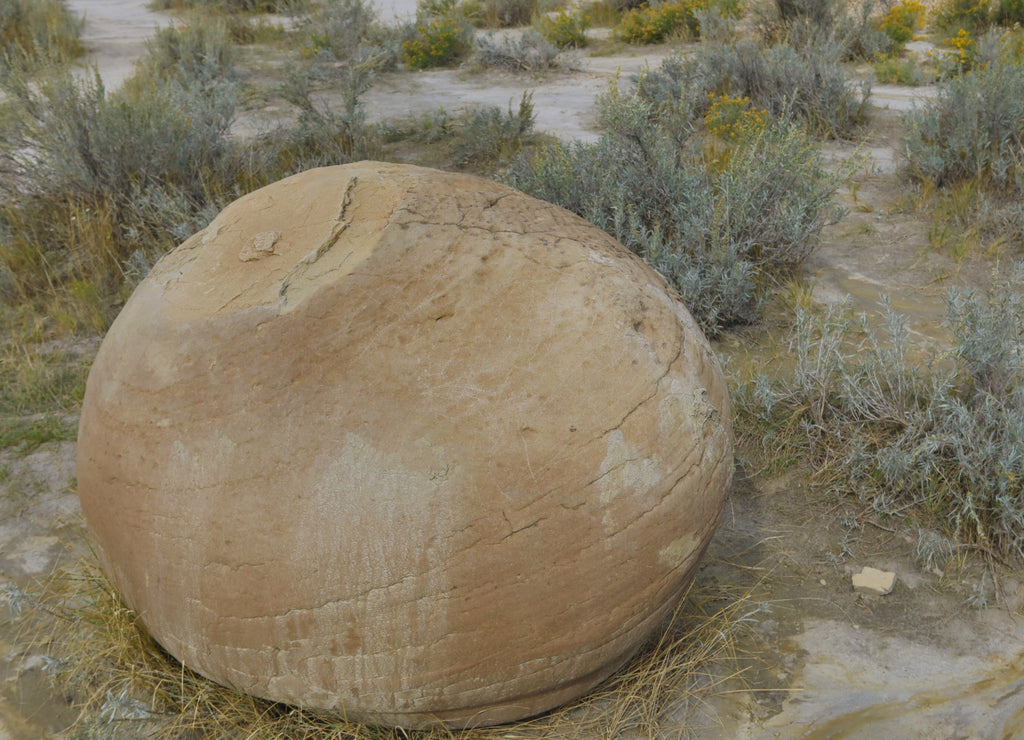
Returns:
<point x="942" y="440"/>
<point x="973" y="130"/>
<point x="198" y="53"/>
<point x="807" y="84"/>
<point x="32" y="30"/>
<point x="718" y="227"/>
<point x="525" y="52"/>
<point x="493" y="135"/>
<point x="69" y="137"/>
<point x="969" y="142"/>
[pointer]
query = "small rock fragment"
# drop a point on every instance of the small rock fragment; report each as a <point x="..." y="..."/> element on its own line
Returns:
<point x="874" y="581"/>
<point x="262" y="244"/>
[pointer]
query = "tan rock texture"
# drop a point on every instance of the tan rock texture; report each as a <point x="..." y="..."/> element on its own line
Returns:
<point x="405" y="445"/>
<point x="873" y="581"/>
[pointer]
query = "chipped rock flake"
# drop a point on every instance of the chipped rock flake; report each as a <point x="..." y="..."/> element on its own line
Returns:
<point x="874" y="581"/>
<point x="262" y="245"/>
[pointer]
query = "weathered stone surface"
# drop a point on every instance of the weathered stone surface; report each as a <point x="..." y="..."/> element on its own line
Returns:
<point x="874" y="581"/>
<point x="403" y="444"/>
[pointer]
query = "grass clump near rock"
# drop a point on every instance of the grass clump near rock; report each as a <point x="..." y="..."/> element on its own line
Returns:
<point x="720" y="219"/>
<point x="41" y="388"/>
<point x="125" y="686"/>
<point x="942" y="443"/>
<point x="38" y="30"/>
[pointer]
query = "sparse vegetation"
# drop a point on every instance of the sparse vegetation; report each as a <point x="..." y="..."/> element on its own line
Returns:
<point x="499" y="13"/>
<point x="490" y="135"/>
<point x="821" y="13"/>
<point x="99" y="184"/>
<point x="234" y="6"/>
<point x="93" y="177"/>
<point x="895" y="71"/>
<point x="1010" y="12"/>
<point x="971" y="16"/>
<point x="945" y="445"/>
<point x="346" y="33"/>
<point x="199" y="53"/>
<point x="902" y="20"/>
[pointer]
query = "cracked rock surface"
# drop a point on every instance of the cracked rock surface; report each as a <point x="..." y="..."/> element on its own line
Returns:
<point x="403" y="444"/>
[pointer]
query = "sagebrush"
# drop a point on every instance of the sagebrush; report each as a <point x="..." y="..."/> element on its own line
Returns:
<point x="718" y="220"/>
<point x="965" y="148"/>
<point x="940" y="441"/>
<point x="96" y="184"/>
<point x="525" y="52"/>
<point x="808" y="84"/>
<point x="33" y="30"/>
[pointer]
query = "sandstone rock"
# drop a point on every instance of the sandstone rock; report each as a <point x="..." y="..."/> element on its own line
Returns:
<point x="874" y="581"/>
<point x="403" y="444"/>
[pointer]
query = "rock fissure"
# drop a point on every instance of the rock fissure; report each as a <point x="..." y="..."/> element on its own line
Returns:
<point x="340" y="225"/>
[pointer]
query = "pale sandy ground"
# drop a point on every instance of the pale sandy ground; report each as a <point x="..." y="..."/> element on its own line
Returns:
<point x="916" y="664"/>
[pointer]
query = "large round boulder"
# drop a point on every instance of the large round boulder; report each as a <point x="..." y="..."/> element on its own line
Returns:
<point x="405" y="445"/>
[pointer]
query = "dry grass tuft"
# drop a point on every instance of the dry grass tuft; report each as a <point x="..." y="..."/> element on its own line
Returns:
<point x="124" y="685"/>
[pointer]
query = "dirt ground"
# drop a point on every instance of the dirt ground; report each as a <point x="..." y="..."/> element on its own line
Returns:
<point x="942" y="656"/>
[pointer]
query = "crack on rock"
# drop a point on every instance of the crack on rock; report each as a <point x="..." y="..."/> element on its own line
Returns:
<point x="492" y="202"/>
<point x="517" y="530"/>
<point x="512" y="529"/>
<point x="614" y="468"/>
<point x="341" y="223"/>
<point x="652" y="394"/>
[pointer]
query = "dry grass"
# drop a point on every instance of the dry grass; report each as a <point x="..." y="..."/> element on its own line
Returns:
<point x="124" y="685"/>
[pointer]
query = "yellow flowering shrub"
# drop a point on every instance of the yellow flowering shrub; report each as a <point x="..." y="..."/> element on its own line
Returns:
<point x="564" y="30"/>
<point x="902" y="20"/>
<point x="439" y="42"/>
<point x="318" y="42"/>
<point x="732" y="118"/>
<point x="651" y="24"/>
